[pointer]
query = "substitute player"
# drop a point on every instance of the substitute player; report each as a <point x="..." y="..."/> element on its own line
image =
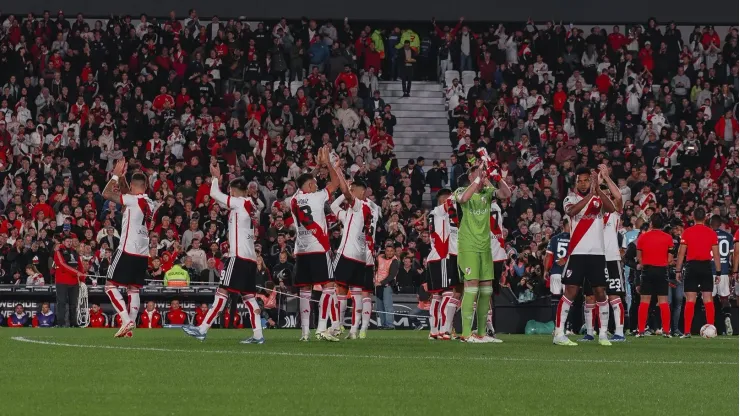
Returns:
<point x="586" y="262"/>
<point x="356" y="217"/>
<point x="362" y="301"/>
<point x="128" y="268"/>
<point x="313" y="264"/>
<point x="555" y="258"/>
<point x="615" y="277"/>
<point x="239" y="274"/>
<point x="498" y="254"/>
<point x="474" y="249"/>
<point x="654" y="255"/>
<point x="726" y="247"/>
<point x="699" y="245"/>
<point x="442" y="266"/>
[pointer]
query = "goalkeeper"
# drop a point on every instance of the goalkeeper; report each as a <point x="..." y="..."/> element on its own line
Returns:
<point x="474" y="260"/>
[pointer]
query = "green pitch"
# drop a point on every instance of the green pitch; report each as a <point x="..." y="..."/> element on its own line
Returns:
<point x="84" y="372"/>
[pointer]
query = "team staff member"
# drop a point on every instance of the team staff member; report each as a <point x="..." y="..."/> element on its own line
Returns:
<point x="68" y="275"/>
<point x="653" y="256"/>
<point x="699" y="245"/>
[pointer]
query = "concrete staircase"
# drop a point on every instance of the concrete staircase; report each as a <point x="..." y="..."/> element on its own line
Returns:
<point x="422" y="127"/>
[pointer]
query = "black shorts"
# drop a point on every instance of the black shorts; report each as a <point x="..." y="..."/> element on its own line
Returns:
<point x="614" y="278"/>
<point x="698" y="277"/>
<point x="239" y="276"/>
<point x="654" y="281"/>
<point x="128" y="270"/>
<point x="498" y="270"/>
<point x="585" y="268"/>
<point x="313" y="269"/>
<point x="350" y="273"/>
<point x="443" y="274"/>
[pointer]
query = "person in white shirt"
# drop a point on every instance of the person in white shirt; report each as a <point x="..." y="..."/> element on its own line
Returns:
<point x="240" y="273"/>
<point x="312" y="249"/>
<point x="586" y="262"/>
<point x="131" y="260"/>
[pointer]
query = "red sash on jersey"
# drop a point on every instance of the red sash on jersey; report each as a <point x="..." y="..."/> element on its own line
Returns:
<point x="592" y="210"/>
<point x="441" y="244"/>
<point x="673" y="149"/>
<point x="646" y="201"/>
<point x="367" y="221"/>
<point x="496" y="230"/>
<point x="308" y="223"/>
<point x="147" y="211"/>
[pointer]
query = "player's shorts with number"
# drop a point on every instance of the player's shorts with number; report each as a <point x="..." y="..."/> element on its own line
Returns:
<point x="614" y="278"/>
<point x="723" y="287"/>
<point x="239" y="276"/>
<point x="475" y="265"/>
<point x="127" y="269"/>
<point x="313" y="269"/>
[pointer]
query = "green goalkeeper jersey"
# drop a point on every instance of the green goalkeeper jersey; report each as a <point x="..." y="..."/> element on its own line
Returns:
<point x="474" y="231"/>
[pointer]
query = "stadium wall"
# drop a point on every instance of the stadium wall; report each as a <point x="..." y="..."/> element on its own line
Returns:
<point x="582" y="11"/>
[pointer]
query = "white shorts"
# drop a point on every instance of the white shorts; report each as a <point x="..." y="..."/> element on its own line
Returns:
<point x="723" y="288"/>
<point x="556" y="285"/>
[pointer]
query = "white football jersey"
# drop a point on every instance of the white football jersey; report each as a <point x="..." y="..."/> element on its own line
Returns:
<point x="241" y="225"/>
<point x="375" y="214"/>
<point x="356" y="220"/>
<point x="439" y="233"/>
<point x="310" y="221"/>
<point x="587" y="235"/>
<point x="498" y="250"/>
<point x="454" y="221"/>
<point x="137" y="220"/>
<point x="611" y="241"/>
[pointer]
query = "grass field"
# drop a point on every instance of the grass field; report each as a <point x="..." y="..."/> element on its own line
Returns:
<point x="162" y="372"/>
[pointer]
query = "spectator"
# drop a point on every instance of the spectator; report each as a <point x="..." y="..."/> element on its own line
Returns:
<point x="210" y="274"/>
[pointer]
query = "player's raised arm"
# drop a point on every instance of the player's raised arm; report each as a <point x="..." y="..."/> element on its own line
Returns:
<point x="333" y="175"/>
<point x="109" y="192"/>
<point x="336" y="207"/>
<point x="503" y="191"/>
<point x="216" y="193"/>
<point x="343" y="184"/>
<point x="475" y="185"/>
<point x="616" y="195"/>
<point x="607" y="203"/>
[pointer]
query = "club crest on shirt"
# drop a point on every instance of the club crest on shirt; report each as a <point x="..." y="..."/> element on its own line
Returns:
<point x="467" y="270"/>
<point x="597" y="203"/>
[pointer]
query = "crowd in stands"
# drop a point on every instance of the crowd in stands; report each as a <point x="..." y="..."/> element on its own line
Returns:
<point x="175" y="95"/>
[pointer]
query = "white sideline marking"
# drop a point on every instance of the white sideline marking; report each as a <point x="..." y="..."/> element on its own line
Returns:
<point x="390" y="357"/>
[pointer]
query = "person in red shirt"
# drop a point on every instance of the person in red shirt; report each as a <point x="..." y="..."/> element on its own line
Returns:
<point x="616" y="39"/>
<point x="654" y="256"/>
<point x="175" y="316"/>
<point x="699" y="245"/>
<point x="97" y="317"/>
<point x="227" y="320"/>
<point x="348" y="77"/>
<point x="158" y="103"/>
<point x="68" y="274"/>
<point x="200" y="314"/>
<point x="151" y="318"/>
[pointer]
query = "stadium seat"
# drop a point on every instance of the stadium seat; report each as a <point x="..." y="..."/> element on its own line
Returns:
<point x="468" y="77"/>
